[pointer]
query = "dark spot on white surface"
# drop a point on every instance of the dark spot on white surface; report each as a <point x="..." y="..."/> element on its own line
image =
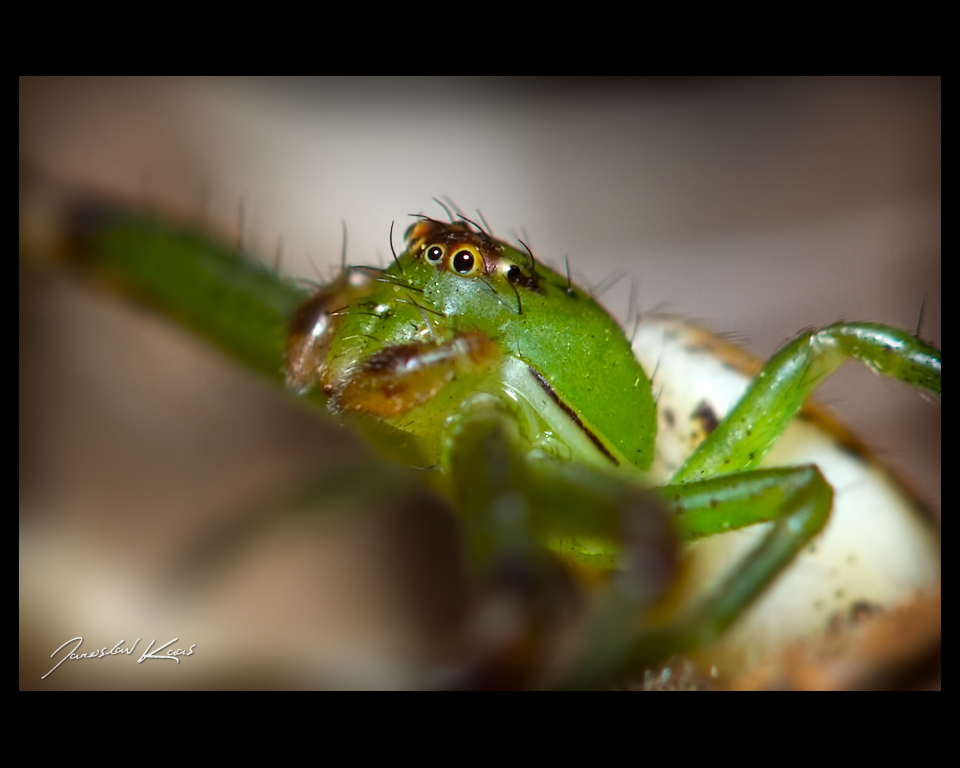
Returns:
<point x="706" y="416"/>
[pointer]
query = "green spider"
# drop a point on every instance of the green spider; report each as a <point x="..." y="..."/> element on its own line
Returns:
<point x="469" y="356"/>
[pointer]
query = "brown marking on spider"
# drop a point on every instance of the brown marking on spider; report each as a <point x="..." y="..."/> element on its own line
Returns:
<point x="396" y="379"/>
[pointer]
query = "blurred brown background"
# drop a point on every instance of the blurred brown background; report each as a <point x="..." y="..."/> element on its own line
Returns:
<point x="757" y="206"/>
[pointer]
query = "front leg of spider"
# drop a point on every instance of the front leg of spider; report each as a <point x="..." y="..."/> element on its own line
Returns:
<point x="778" y="393"/>
<point x="519" y="514"/>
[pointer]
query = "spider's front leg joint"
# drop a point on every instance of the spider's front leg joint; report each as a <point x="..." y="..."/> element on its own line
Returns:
<point x="398" y="378"/>
<point x="776" y="395"/>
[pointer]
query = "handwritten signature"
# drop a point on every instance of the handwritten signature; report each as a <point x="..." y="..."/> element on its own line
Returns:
<point x="120" y="650"/>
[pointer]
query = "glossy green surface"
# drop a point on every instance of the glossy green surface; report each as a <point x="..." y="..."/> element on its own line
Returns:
<point x="234" y="301"/>
<point x="559" y="330"/>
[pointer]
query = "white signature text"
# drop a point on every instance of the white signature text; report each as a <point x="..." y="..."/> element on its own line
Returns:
<point x="119" y="649"/>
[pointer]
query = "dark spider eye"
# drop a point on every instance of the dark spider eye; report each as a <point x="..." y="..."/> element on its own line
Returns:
<point x="514" y="274"/>
<point x="435" y="253"/>
<point x="464" y="262"/>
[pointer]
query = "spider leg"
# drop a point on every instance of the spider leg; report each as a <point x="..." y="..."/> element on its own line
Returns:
<point x="796" y="501"/>
<point x="522" y="514"/>
<point x="779" y="391"/>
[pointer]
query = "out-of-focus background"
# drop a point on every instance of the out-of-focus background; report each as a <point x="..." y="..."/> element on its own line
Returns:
<point x="759" y="207"/>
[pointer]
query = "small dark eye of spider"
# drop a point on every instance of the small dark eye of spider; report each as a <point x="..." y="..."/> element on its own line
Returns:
<point x="514" y="274"/>
<point x="463" y="262"/>
<point x="434" y="253"/>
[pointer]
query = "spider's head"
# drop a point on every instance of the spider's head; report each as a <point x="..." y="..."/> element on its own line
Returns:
<point x="461" y="249"/>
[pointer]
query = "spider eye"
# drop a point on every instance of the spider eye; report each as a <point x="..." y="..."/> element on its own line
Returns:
<point x="435" y="254"/>
<point x="465" y="262"/>
<point x="513" y="273"/>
